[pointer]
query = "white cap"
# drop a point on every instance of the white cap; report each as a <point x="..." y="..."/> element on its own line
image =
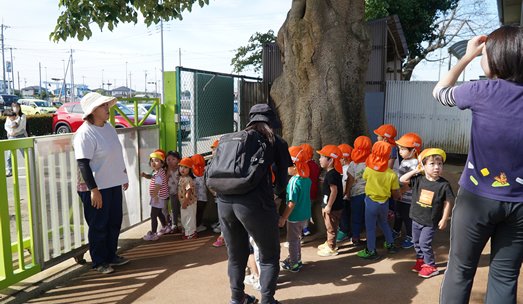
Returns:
<point x="93" y="100"/>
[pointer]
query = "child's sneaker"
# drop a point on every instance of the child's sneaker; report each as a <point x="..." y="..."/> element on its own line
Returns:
<point x="328" y="252"/>
<point x="215" y="225"/>
<point x="306" y="231"/>
<point x="150" y="236"/>
<point x="356" y="242"/>
<point x="192" y="236"/>
<point x="256" y="286"/>
<point x="251" y="279"/>
<point x="219" y="242"/>
<point x="390" y="247"/>
<point x="417" y="267"/>
<point x="286" y="266"/>
<point x="217" y="229"/>
<point x="428" y="271"/>
<point x="324" y="245"/>
<point x="390" y="215"/>
<point x="341" y="236"/>
<point x="174" y="230"/>
<point x="288" y="259"/>
<point x="247" y="299"/>
<point x="396" y="235"/>
<point x="368" y="255"/>
<point x="407" y="243"/>
<point x="201" y="228"/>
<point x="164" y="230"/>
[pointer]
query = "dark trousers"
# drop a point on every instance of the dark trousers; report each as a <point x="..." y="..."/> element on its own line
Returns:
<point x="104" y="224"/>
<point x="402" y="217"/>
<point x="422" y="237"/>
<point x="475" y="220"/>
<point x="260" y="220"/>
<point x="357" y="208"/>
<point x="345" y="217"/>
<point x="200" y="208"/>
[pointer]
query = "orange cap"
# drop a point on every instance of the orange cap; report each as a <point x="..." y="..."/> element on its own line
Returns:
<point x="298" y="158"/>
<point x="186" y="162"/>
<point x="378" y="160"/>
<point x="361" y="149"/>
<point x="387" y="131"/>
<point x="346" y="151"/>
<point x="333" y="152"/>
<point x="309" y="151"/>
<point x="199" y="164"/>
<point x="215" y="144"/>
<point x="410" y="140"/>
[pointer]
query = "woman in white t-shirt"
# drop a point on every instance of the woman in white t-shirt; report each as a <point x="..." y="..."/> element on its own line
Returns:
<point x="99" y="156"/>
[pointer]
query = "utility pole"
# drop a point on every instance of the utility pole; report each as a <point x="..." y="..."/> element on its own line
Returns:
<point x="39" y="79"/>
<point x="155" y="84"/>
<point x="145" y="83"/>
<point x="126" y="84"/>
<point x="2" y="27"/>
<point x="163" y="88"/>
<point x="72" y="78"/>
<point x="130" y="85"/>
<point x="12" y="72"/>
<point x="180" y="56"/>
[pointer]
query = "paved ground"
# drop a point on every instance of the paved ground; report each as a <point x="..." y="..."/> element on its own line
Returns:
<point x="172" y="270"/>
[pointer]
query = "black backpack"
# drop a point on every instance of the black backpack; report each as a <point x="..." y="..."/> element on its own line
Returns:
<point x="239" y="163"/>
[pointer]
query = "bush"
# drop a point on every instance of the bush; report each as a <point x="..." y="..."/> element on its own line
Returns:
<point x="37" y="125"/>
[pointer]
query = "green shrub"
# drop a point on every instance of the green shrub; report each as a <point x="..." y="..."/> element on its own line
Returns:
<point x="38" y="125"/>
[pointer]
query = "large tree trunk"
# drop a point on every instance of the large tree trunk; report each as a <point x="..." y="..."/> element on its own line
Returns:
<point x="320" y="95"/>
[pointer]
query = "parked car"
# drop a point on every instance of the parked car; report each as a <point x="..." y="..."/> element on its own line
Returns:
<point x="36" y="106"/>
<point x="6" y="100"/>
<point x="69" y="118"/>
<point x="185" y="122"/>
<point x="186" y="111"/>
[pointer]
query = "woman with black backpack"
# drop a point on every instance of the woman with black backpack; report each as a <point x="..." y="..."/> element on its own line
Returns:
<point x="254" y="213"/>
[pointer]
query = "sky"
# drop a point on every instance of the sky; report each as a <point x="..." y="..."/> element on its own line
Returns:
<point x="207" y="38"/>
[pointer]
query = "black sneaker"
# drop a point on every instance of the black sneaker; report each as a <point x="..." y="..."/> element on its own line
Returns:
<point x="104" y="268"/>
<point x="119" y="261"/>
<point x="247" y="299"/>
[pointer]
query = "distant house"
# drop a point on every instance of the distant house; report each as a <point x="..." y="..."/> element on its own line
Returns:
<point x="121" y="92"/>
<point x="30" y="91"/>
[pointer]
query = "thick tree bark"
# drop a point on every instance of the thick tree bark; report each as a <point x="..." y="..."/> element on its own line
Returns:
<point x="320" y="95"/>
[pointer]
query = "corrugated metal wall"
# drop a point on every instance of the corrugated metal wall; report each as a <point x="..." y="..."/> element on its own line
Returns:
<point x="375" y="79"/>
<point x="271" y="61"/>
<point x="410" y="107"/>
<point x="251" y="93"/>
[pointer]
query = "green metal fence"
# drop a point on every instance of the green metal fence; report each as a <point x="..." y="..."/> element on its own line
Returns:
<point x="210" y="102"/>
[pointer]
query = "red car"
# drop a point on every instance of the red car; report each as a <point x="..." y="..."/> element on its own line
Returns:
<point x="68" y="118"/>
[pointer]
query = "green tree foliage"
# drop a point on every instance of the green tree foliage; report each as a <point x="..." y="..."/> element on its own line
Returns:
<point x="77" y="15"/>
<point x="417" y="18"/>
<point x="250" y="56"/>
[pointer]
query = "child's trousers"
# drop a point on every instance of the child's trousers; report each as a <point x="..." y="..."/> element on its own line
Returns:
<point x="175" y="209"/>
<point x="422" y="237"/>
<point x="357" y="206"/>
<point x="402" y="217"/>
<point x="331" y="223"/>
<point x="293" y="237"/>
<point x="375" y="211"/>
<point x="188" y="217"/>
<point x="345" y="217"/>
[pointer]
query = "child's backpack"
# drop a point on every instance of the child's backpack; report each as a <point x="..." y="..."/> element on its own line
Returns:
<point x="239" y="163"/>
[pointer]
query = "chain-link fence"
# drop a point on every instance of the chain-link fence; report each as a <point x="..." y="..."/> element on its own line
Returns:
<point x="211" y="104"/>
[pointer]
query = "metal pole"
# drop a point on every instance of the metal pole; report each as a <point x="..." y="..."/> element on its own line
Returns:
<point x="40" y="79"/>
<point x="145" y="83"/>
<point x="3" y="59"/>
<point x="72" y="78"/>
<point x="163" y="87"/>
<point x="12" y="72"/>
<point x="130" y="85"/>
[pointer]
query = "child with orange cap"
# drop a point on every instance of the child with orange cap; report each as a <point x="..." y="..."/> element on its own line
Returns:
<point x="355" y="185"/>
<point x="382" y="183"/>
<point x="430" y="209"/>
<point x="345" y="229"/>
<point x="387" y="133"/>
<point x="332" y="203"/>
<point x="159" y="193"/>
<point x="409" y="149"/>
<point x="187" y="198"/>
<point x="200" y="189"/>
<point x="220" y="241"/>
<point x="314" y="175"/>
<point x="173" y="176"/>
<point x="298" y="209"/>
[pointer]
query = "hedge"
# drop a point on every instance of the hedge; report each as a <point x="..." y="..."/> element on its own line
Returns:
<point x="37" y="125"/>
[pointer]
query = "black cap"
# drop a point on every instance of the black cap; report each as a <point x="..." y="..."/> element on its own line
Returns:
<point x="263" y="112"/>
